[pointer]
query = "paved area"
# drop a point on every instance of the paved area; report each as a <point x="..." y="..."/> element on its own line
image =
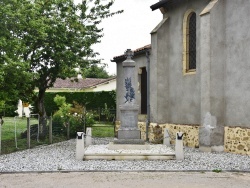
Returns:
<point x="126" y="179"/>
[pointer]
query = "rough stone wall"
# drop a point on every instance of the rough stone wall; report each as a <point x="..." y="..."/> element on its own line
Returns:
<point x="190" y="139"/>
<point x="237" y="140"/>
<point x="117" y="126"/>
<point x="156" y="132"/>
<point x="142" y="127"/>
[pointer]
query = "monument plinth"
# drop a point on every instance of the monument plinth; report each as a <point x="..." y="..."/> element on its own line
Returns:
<point x="129" y="133"/>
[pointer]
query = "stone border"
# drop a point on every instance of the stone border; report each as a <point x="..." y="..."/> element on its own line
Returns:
<point x="156" y="132"/>
<point x="237" y="140"/>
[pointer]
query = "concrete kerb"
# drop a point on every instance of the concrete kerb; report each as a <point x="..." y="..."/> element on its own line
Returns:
<point x="69" y="171"/>
<point x="85" y="154"/>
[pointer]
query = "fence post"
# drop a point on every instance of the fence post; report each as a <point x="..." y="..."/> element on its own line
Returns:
<point x="84" y="119"/>
<point x="88" y="136"/>
<point x="179" y="153"/>
<point x="99" y="112"/>
<point x="0" y="135"/>
<point x="28" y="132"/>
<point x="50" y="130"/>
<point x="80" y="146"/>
<point x="38" y="128"/>
<point x="68" y="125"/>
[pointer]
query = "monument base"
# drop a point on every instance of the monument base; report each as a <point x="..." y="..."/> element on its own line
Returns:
<point x="129" y="134"/>
<point x="113" y="146"/>
<point x="211" y="148"/>
<point x="129" y="141"/>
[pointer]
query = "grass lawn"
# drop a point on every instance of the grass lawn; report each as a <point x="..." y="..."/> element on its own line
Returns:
<point x="102" y="132"/>
<point x="12" y="128"/>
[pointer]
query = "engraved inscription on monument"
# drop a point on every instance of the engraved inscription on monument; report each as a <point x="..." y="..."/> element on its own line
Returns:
<point x="128" y="118"/>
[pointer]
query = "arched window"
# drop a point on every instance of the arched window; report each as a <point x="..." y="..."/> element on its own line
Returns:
<point x="189" y="42"/>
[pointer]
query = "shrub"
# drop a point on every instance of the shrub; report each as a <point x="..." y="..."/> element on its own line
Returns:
<point x="58" y="124"/>
<point x="90" y="100"/>
<point x="72" y="115"/>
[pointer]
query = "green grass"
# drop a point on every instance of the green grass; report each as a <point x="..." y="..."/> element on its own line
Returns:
<point x="102" y="132"/>
<point x="217" y="170"/>
<point x="19" y="125"/>
<point x="12" y="124"/>
<point x="9" y="146"/>
<point x="12" y="127"/>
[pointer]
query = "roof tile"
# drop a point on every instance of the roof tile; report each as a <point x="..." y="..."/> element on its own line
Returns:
<point x="80" y="84"/>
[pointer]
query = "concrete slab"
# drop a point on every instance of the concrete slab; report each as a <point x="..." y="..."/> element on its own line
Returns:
<point x="129" y="141"/>
<point x="113" y="146"/>
<point x="154" y="152"/>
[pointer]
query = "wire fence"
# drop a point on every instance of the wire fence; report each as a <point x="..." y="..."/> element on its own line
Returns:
<point x="103" y="114"/>
<point x="18" y="133"/>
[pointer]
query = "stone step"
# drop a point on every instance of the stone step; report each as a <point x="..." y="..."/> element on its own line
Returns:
<point x="154" y="152"/>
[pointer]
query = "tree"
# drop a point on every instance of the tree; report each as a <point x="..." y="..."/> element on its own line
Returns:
<point x="15" y="84"/>
<point x="95" y="72"/>
<point x="15" y="80"/>
<point x="52" y="37"/>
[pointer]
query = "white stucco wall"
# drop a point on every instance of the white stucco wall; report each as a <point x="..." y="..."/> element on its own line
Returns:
<point x="109" y="86"/>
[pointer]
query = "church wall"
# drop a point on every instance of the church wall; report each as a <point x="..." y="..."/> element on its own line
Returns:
<point x="230" y="41"/>
<point x="153" y="78"/>
<point x="217" y="71"/>
<point x="161" y="78"/>
<point x="229" y="89"/>
<point x="178" y="94"/>
<point x="237" y="70"/>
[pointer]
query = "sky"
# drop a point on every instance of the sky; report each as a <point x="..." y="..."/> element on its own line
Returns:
<point x="129" y="30"/>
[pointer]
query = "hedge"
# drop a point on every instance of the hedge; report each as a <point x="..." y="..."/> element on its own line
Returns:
<point x="91" y="100"/>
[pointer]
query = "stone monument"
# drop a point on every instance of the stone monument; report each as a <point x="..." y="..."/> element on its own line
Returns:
<point x="129" y="132"/>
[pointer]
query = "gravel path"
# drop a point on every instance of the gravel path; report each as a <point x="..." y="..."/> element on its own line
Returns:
<point x="61" y="157"/>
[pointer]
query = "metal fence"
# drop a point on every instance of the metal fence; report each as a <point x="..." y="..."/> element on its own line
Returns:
<point x="103" y="115"/>
<point x="18" y="133"/>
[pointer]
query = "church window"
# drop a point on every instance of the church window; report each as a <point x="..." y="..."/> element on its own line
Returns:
<point x="189" y="42"/>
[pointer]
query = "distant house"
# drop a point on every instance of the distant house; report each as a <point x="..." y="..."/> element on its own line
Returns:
<point x="84" y="85"/>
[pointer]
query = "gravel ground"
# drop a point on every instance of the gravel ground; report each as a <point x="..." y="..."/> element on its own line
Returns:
<point x="61" y="157"/>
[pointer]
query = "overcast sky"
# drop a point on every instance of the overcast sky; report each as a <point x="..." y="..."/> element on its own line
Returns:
<point x="129" y="30"/>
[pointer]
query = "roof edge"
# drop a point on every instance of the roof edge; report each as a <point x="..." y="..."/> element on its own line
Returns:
<point x="209" y="7"/>
<point x="158" y="5"/>
<point x="159" y="26"/>
<point x="137" y="52"/>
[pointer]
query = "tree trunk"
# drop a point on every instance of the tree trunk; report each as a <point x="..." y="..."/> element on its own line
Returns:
<point x="42" y="114"/>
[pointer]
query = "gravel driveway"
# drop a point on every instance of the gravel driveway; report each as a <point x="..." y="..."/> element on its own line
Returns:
<point x="61" y="157"/>
<point x="34" y="167"/>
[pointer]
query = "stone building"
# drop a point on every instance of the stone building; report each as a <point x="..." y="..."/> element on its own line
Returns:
<point x="199" y="64"/>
